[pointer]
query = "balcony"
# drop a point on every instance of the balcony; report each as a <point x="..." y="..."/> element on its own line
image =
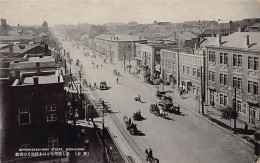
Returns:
<point x="237" y="70"/>
<point x="223" y="87"/>
<point x="254" y="74"/>
<point x="223" y="67"/>
<point x="251" y="98"/>
<point x="212" y="64"/>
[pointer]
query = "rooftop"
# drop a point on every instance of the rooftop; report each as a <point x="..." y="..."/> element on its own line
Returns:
<point x="41" y="79"/>
<point x="120" y="37"/>
<point x="20" y="48"/>
<point x="237" y="40"/>
<point x="3" y="45"/>
<point x="15" y="38"/>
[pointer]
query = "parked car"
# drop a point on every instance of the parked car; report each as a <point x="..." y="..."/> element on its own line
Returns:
<point x="103" y="85"/>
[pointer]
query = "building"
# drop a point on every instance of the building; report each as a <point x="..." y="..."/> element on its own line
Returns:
<point x="255" y="28"/>
<point x="20" y="50"/>
<point x="185" y="39"/>
<point x="148" y="57"/>
<point x="182" y="67"/>
<point x="117" y="47"/>
<point x="38" y="99"/>
<point x="33" y="64"/>
<point x="233" y="62"/>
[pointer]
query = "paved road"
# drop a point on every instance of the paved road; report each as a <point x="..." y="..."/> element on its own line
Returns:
<point x="176" y="139"/>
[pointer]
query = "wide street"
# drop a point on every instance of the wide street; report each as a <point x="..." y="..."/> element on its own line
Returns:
<point x="177" y="139"/>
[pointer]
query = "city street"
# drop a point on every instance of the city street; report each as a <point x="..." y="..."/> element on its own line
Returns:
<point x="179" y="138"/>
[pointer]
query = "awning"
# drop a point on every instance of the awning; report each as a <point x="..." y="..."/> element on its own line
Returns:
<point x="252" y="102"/>
<point x="186" y="80"/>
<point x="169" y="74"/>
<point x="140" y="59"/>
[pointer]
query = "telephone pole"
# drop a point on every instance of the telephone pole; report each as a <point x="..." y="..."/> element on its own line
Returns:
<point x="202" y="90"/>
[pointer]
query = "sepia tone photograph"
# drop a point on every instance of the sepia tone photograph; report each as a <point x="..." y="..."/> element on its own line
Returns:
<point x="130" y="81"/>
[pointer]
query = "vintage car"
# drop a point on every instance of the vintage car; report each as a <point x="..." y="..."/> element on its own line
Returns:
<point x="103" y="85"/>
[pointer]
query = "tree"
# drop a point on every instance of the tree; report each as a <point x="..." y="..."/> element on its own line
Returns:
<point x="230" y="113"/>
<point x="45" y="24"/>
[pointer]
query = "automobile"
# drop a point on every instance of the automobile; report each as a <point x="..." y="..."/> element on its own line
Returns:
<point x="103" y="85"/>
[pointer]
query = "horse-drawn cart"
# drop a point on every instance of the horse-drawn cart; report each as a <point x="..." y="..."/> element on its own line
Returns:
<point x="158" y="110"/>
<point x="131" y="127"/>
<point x="115" y="72"/>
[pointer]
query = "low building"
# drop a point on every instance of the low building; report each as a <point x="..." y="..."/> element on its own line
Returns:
<point x="182" y="67"/>
<point x="185" y="39"/>
<point x="38" y="99"/>
<point x="117" y="47"/>
<point x="148" y="57"/>
<point x="233" y="68"/>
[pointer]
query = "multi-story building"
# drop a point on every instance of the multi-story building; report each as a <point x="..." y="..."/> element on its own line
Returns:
<point x="117" y="47"/>
<point x="233" y="67"/>
<point x="148" y="56"/>
<point x="182" y="66"/>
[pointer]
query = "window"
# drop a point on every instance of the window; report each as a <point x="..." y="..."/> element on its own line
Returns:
<point x="253" y="87"/>
<point x="194" y="72"/>
<point x="256" y="63"/>
<point x="173" y="66"/>
<point x="166" y="64"/>
<point x="239" y="61"/>
<point x="223" y="100"/>
<point x="250" y="62"/>
<point x="24" y="116"/>
<point x="51" y="117"/>
<point x="225" y="58"/>
<point x="198" y="73"/>
<point x="53" y="142"/>
<point x="188" y="70"/>
<point x="238" y="106"/>
<point x="235" y="59"/>
<point x="194" y="89"/>
<point x="221" y="58"/>
<point x="211" y="76"/>
<point x="170" y="65"/>
<point x="184" y="69"/>
<point x="212" y="57"/>
<point x="237" y="82"/>
<point x="51" y="107"/>
<point x="223" y="79"/>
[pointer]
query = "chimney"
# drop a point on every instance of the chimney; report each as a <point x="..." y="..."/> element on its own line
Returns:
<point x="46" y="49"/>
<point x="246" y="40"/>
<point x="219" y="39"/>
<point x="35" y="80"/>
<point x="38" y="68"/>
<point x="58" y="78"/>
<point x="17" y="73"/>
<point x="11" y="50"/>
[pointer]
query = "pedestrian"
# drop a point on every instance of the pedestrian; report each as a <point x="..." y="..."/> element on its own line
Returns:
<point x="86" y="142"/>
<point x="117" y="80"/>
<point x="97" y="66"/>
<point x="150" y="154"/>
<point x="129" y="121"/>
<point x="246" y="127"/>
<point x="101" y="66"/>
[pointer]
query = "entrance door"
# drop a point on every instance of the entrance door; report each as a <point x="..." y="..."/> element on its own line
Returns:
<point x="211" y="98"/>
<point x="252" y="115"/>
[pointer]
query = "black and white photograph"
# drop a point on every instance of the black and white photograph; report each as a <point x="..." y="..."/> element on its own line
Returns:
<point x="130" y="81"/>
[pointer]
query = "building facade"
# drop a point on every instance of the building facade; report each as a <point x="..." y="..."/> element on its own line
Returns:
<point x="233" y="67"/>
<point x="117" y="47"/>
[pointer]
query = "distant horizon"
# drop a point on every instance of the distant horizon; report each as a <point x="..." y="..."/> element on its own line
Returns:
<point x="57" y="12"/>
<point x="25" y="25"/>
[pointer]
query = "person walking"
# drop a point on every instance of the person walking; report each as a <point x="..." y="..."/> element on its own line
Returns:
<point x="117" y="80"/>
<point x="246" y="127"/>
<point x="97" y="66"/>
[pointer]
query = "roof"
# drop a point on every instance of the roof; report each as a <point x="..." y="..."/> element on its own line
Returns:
<point x="165" y="23"/>
<point x="43" y="59"/>
<point x="15" y="37"/>
<point x="120" y="37"/>
<point x="237" y="40"/>
<point x="20" y="48"/>
<point x="41" y="79"/>
<point x="257" y="25"/>
<point x="218" y="31"/>
<point x="3" y="45"/>
<point x="42" y="34"/>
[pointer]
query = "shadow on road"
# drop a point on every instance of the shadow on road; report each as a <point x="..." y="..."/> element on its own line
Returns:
<point x="168" y="118"/>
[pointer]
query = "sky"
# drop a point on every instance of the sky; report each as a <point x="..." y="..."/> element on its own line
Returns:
<point x="34" y="12"/>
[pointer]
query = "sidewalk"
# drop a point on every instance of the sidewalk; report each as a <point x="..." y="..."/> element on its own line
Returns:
<point x="212" y="115"/>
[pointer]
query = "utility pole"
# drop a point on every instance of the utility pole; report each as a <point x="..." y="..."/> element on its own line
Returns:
<point x="124" y="61"/>
<point x="163" y="79"/>
<point x="103" y="131"/>
<point x="235" y="109"/>
<point x="202" y="90"/>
